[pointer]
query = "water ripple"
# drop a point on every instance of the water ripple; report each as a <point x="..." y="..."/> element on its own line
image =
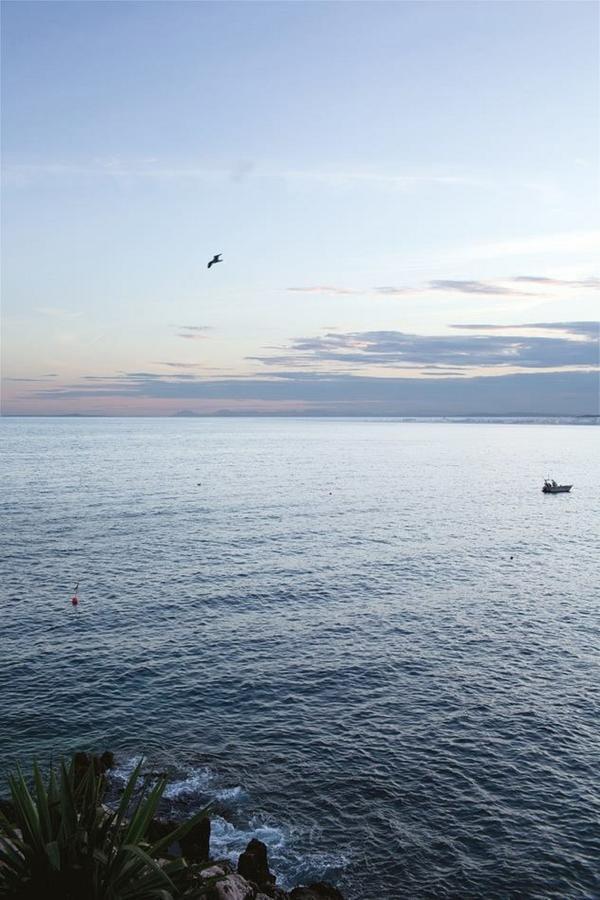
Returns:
<point x="395" y="684"/>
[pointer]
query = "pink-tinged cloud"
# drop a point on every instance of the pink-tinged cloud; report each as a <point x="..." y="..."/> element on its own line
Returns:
<point x="494" y="287"/>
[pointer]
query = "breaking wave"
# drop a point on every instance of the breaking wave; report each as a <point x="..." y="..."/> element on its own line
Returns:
<point x="234" y="821"/>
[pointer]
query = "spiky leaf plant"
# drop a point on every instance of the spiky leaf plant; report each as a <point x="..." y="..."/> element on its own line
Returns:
<point x="65" y="843"/>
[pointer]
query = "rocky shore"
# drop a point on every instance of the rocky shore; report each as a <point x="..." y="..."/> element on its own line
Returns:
<point x="250" y="880"/>
<point x="205" y="877"/>
<point x="253" y="881"/>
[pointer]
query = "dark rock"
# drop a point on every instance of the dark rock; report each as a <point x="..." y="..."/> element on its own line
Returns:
<point x="223" y="864"/>
<point x="319" y="890"/>
<point x="107" y="760"/>
<point x="82" y="762"/>
<point x="254" y="865"/>
<point x="81" y="766"/>
<point x="195" y="844"/>
<point x="276" y="893"/>
<point x="159" y="829"/>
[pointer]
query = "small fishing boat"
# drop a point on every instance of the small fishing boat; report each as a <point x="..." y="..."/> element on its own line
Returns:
<point x="551" y="487"/>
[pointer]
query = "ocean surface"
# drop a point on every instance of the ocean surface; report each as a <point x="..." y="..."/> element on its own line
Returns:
<point x="373" y="644"/>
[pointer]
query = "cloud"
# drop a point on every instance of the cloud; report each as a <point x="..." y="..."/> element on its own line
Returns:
<point x="324" y="289"/>
<point x="558" y="282"/>
<point x="499" y="369"/>
<point x="396" y="349"/>
<point x="553" y="393"/>
<point x="462" y="286"/>
<point x="494" y="287"/>
<point x="471" y="287"/>
<point x="37" y="380"/>
<point x="196" y="327"/>
<point x="466" y="286"/>
<point x="22" y="174"/>
<point x="588" y="330"/>
<point x="336" y="373"/>
<point x="194" y="332"/>
<point x="391" y="290"/>
<point x="181" y="365"/>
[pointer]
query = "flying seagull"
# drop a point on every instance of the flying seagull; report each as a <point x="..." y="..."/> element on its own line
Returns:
<point x="216" y="258"/>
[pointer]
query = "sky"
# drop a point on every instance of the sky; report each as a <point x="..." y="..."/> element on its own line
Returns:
<point x="405" y="196"/>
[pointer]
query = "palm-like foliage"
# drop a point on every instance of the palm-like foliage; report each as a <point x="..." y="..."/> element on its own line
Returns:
<point x="65" y="843"/>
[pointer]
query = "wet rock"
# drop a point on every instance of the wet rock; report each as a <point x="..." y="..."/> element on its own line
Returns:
<point x="254" y="865"/>
<point x="319" y="890"/>
<point x="213" y="872"/>
<point x="233" y="887"/>
<point x="195" y="844"/>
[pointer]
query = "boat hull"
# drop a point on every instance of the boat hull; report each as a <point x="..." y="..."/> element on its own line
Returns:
<point x="559" y="489"/>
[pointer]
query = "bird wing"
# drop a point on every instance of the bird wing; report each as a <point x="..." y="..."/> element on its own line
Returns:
<point x="210" y="264"/>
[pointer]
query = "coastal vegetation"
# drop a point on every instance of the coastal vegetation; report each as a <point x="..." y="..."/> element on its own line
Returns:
<point x="59" y="839"/>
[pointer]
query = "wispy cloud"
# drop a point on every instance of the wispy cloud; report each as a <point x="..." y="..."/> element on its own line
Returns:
<point x="393" y="291"/>
<point x="471" y="287"/>
<point x="124" y="378"/>
<point x="194" y="332"/>
<point x="181" y="365"/>
<point x="386" y="179"/>
<point x="592" y="282"/>
<point x="492" y="287"/>
<point x="590" y="331"/>
<point x="21" y="173"/>
<point x="196" y="327"/>
<point x="35" y="380"/>
<point x="324" y="289"/>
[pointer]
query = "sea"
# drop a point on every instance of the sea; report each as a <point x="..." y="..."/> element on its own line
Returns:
<point x="374" y="644"/>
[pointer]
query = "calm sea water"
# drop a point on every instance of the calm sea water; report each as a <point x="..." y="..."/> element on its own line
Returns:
<point x="373" y="644"/>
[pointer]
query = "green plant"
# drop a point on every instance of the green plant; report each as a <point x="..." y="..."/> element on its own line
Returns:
<point x="64" y="843"/>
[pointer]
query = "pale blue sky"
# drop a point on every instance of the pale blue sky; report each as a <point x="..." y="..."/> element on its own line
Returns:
<point x="338" y="147"/>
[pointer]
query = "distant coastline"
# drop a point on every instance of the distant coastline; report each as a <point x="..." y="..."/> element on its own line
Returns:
<point x="470" y="418"/>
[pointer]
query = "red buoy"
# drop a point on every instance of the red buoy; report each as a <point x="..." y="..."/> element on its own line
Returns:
<point x="75" y="600"/>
